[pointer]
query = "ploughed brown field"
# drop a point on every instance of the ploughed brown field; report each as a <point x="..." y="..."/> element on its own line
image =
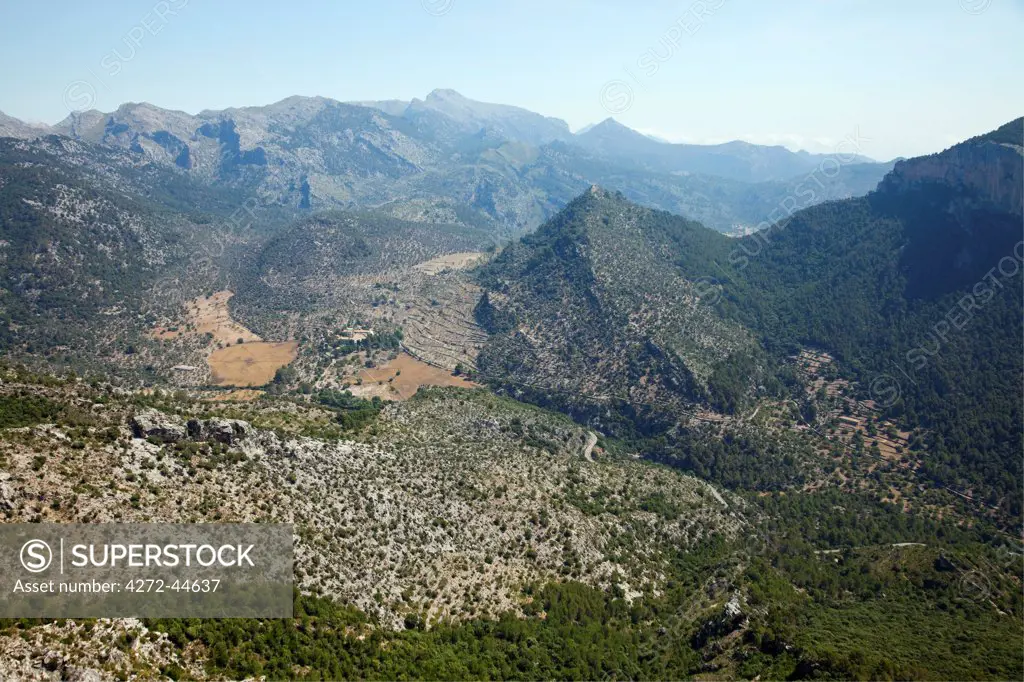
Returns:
<point x="250" y="364"/>
<point x="400" y="378"/>
<point x="210" y="314"/>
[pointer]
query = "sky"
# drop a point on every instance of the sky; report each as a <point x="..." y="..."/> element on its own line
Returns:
<point x="901" y="78"/>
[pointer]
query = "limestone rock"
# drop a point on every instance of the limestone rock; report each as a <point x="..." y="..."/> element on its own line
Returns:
<point x="79" y="674"/>
<point x="52" y="660"/>
<point x="155" y="424"/>
<point x="227" y="431"/>
<point x="219" y="430"/>
<point x="7" y="495"/>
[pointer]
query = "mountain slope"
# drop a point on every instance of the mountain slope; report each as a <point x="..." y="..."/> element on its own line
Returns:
<point x="594" y="304"/>
<point x="917" y="289"/>
<point x="93" y="240"/>
<point x="12" y="127"/>
<point x="72" y="244"/>
<point x="340" y="265"/>
<point x="459" y="535"/>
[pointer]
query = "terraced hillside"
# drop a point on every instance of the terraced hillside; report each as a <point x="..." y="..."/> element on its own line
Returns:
<point x="437" y="319"/>
<point x="340" y="269"/>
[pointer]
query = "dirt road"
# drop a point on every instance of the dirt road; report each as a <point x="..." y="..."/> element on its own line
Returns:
<point x="589" y="447"/>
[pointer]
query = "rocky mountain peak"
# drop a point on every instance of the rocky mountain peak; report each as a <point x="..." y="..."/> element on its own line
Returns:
<point x="445" y="94"/>
<point x="610" y="126"/>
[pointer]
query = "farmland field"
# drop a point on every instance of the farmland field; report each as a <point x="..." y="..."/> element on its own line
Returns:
<point x="400" y="378"/>
<point x="250" y="364"/>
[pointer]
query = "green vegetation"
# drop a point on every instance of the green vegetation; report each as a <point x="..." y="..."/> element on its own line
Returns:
<point x="583" y="636"/>
<point x="885" y="614"/>
<point x="962" y="386"/>
<point x="353" y="413"/>
<point x="647" y="327"/>
<point x="875" y="613"/>
<point x="823" y="585"/>
<point x="26" y="410"/>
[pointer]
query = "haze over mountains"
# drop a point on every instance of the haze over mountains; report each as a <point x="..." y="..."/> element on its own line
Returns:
<point x="513" y="166"/>
<point x="717" y="373"/>
<point x="607" y="298"/>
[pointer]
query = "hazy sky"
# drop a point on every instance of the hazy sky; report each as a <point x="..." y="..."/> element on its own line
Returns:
<point x="906" y="76"/>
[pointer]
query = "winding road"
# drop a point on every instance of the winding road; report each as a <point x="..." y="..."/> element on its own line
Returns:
<point x="589" y="447"/>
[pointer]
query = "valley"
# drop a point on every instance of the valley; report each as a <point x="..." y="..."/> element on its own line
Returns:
<point x="531" y="412"/>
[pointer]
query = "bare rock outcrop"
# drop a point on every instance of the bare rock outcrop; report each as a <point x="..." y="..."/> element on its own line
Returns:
<point x="172" y="429"/>
<point x="151" y="423"/>
<point x="7" y="493"/>
<point x="227" y="431"/>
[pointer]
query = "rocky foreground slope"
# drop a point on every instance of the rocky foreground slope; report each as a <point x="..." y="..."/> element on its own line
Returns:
<point x="445" y="508"/>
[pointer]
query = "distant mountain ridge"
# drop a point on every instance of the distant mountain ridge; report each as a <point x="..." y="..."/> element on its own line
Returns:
<point x="737" y="160"/>
<point x="514" y="165"/>
<point x="12" y="127"/>
<point x="514" y="123"/>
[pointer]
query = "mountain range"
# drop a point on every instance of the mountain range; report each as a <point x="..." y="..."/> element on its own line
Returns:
<point x="513" y="165"/>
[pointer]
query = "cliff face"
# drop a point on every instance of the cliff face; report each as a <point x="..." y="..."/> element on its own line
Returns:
<point x="992" y="172"/>
<point x="960" y="210"/>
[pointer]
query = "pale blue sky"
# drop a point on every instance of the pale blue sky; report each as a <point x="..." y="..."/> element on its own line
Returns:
<point x="912" y="76"/>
